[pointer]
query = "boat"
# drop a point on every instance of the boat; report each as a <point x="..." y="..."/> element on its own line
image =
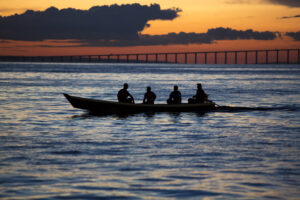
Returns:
<point x="110" y="107"/>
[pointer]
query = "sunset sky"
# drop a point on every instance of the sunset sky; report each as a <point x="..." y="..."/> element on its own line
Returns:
<point x="142" y="27"/>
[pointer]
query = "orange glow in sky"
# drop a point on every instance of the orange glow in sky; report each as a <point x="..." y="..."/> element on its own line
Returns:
<point x="197" y="16"/>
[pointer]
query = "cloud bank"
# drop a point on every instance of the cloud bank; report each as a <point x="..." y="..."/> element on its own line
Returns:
<point x="288" y="17"/>
<point x="182" y="38"/>
<point x="294" y="35"/>
<point x="115" y="22"/>
<point x="290" y="3"/>
<point x="110" y="26"/>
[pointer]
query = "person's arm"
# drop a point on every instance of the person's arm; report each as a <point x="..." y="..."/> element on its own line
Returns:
<point x="171" y="95"/>
<point x="204" y="96"/>
<point x="180" y="97"/>
<point x="196" y="95"/>
<point x="131" y="97"/>
<point x="118" y="95"/>
<point x="144" y="98"/>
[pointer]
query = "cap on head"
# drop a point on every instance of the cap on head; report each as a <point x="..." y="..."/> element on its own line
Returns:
<point x="125" y="85"/>
<point x="175" y="87"/>
<point x="199" y="85"/>
<point x="148" y="88"/>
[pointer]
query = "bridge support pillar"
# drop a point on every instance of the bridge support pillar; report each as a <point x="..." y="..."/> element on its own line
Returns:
<point x="216" y="57"/>
<point x="235" y="57"/>
<point x="256" y="57"/>
<point x="298" y="56"/>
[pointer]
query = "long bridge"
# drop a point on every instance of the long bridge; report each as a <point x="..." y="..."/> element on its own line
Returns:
<point x="268" y="56"/>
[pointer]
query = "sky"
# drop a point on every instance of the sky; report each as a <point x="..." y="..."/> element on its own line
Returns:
<point x="94" y="27"/>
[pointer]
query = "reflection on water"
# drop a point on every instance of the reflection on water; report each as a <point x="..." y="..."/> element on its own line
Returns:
<point x="49" y="150"/>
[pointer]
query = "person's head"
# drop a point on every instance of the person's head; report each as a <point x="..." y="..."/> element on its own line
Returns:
<point x="125" y="86"/>
<point x="148" y="89"/>
<point x="199" y="86"/>
<point x="175" y="87"/>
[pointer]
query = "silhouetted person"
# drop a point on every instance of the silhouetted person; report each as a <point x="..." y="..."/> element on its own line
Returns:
<point x="124" y="96"/>
<point x="200" y="96"/>
<point x="149" y="96"/>
<point x="175" y="96"/>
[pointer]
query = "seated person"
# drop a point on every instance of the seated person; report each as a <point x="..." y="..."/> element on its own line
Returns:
<point x="175" y="96"/>
<point x="149" y="96"/>
<point x="200" y="96"/>
<point x="124" y="96"/>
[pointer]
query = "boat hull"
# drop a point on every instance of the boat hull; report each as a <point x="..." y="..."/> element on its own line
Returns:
<point x="100" y="106"/>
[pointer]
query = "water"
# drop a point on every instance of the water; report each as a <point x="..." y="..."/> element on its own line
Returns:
<point x="49" y="150"/>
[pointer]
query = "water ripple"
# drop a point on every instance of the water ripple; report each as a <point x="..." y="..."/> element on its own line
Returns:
<point x="248" y="149"/>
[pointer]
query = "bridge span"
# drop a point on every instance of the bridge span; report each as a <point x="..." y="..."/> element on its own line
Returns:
<point x="268" y="56"/>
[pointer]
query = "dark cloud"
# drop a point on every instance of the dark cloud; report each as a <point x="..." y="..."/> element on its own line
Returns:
<point x="115" y="22"/>
<point x="180" y="38"/>
<point x="290" y="3"/>
<point x="231" y="34"/>
<point x="116" y="25"/>
<point x="295" y="16"/>
<point x="294" y="35"/>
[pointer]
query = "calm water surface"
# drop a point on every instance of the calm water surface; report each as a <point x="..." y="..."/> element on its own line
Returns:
<point x="49" y="150"/>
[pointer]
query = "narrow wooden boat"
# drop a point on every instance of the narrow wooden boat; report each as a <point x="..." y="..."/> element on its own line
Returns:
<point x="101" y="106"/>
